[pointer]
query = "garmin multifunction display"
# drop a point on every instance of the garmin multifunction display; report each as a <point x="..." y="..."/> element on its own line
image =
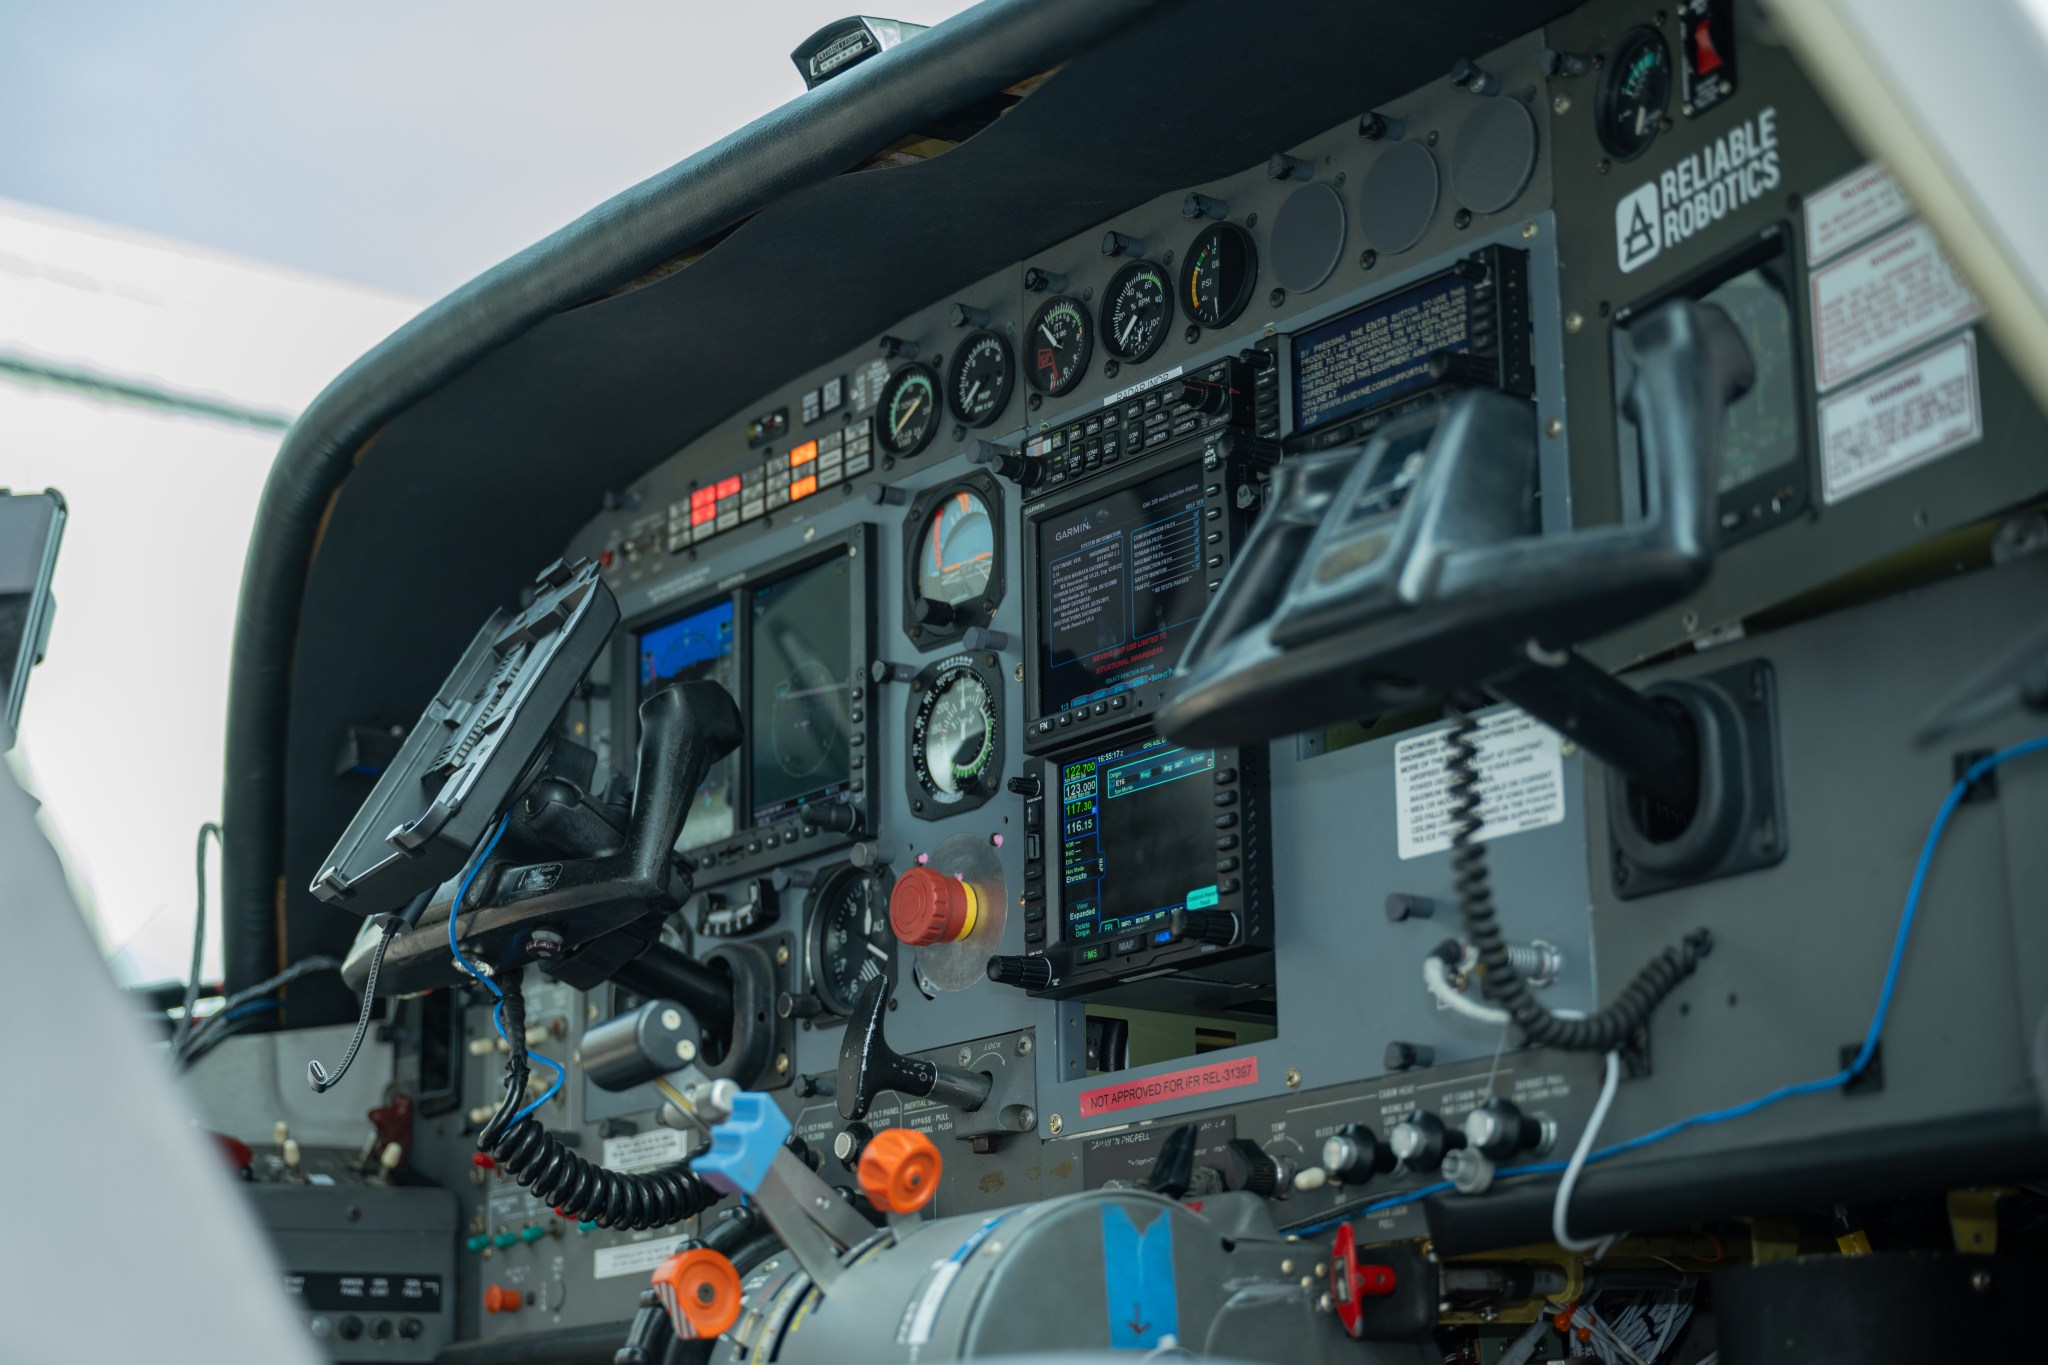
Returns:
<point x="801" y="691"/>
<point x="1122" y="589"/>
<point x="698" y="646"/>
<point x="1134" y="839"/>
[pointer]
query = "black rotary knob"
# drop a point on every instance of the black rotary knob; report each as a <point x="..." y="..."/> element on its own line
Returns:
<point x="1206" y="926"/>
<point x="1247" y="1167"/>
<point x="1026" y="973"/>
<point x="1498" y="1130"/>
<point x="849" y="1142"/>
<point x="1421" y="1140"/>
<point x="929" y="611"/>
<point x="1354" y="1154"/>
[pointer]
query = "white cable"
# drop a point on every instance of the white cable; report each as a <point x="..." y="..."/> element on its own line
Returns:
<point x="1436" y="976"/>
<point x="1572" y="1168"/>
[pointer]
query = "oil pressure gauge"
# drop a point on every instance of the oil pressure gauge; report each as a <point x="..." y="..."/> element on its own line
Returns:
<point x="1635" y="93"/>
<point x="956" y="737"/>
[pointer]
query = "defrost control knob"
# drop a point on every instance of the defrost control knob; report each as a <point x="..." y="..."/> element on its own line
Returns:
<point x="1498" y="1130"/>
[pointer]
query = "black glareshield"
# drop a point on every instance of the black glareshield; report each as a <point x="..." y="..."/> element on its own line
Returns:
<point x="1428" y="571"/>
<point x="31" y="526"/>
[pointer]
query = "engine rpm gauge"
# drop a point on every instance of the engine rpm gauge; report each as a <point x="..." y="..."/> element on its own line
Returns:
<point x="1635" y="92"/>
<point x="959" y="550"/>
<point x="1216" y="279"/>
<point x="907" y="414"/>
<point x="847" y="940"/>
<point x="1136" y="308"/>
<point x="978" y="384"/>
<point x="1059" y="345"/>
<point x="955" y="738"/>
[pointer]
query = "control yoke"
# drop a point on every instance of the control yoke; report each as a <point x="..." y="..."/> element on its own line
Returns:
<point x="521" y="908"/>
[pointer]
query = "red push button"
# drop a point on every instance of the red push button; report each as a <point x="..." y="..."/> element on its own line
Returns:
<point x="928" y="907"/>
<point x="498" y="1299"/>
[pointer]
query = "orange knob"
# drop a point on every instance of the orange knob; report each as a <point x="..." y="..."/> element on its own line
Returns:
<point x="700" y="1290"/>
<point x="498" y="1299"/>
<point x="927" y="907"/>
<point x="900" y="1170"/>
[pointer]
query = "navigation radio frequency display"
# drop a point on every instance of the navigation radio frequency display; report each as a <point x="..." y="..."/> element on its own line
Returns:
<point x="1122" y="590"/>
<point x="1134" y="838"/>
<point x="698" y="646"/>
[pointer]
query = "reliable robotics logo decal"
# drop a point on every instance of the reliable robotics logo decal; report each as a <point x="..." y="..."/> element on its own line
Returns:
<point x="1739" y="166"/>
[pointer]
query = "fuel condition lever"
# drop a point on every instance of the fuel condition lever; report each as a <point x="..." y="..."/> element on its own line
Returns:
<point x="868" y="1065"/>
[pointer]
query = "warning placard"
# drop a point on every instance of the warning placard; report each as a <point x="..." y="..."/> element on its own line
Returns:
<point x="648" y="1151"/>
<point x="1900" y="420"/>
<point x="1883" y="300"/>
<point x="634" y="1258"/>
<point x="1521" y="784"/>
<point x="1864" y="201"/>
<point x="1198" y="1080"/>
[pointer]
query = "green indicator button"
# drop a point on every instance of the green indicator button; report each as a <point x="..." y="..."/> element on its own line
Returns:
<point x="531" y="1233"/>
<point x="505" y="1239"/>
<point x="1202" y="899"/>
<point x="1088" y="955"/>
<point x="478" y="1242"/>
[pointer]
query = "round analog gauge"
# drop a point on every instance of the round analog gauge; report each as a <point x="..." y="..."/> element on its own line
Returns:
<point x="847" y="937"/>
<point x="958" y="552"/>
<point x="1635" y="92"/>
<point x="1137" y="307"/>
<point x="1059" y="345"/>
<point x="978" y="384"/>
<point x="1217" y="277"/>
<point x="907" y="415"/>
<point x="954" y="736"/>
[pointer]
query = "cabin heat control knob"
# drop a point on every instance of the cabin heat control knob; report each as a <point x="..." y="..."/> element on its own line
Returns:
<point x="929" y="907"/>
<point x="1421" y="1141"/>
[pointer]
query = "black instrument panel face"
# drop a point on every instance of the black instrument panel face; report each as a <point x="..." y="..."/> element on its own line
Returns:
<point x="791" y="640"/>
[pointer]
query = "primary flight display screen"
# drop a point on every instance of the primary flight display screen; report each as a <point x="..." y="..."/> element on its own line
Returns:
<point x="698" y="646"/>
<point x="801" y="693"/>
<point x="1122" y="589"/>
<point x="1135" y="834"/>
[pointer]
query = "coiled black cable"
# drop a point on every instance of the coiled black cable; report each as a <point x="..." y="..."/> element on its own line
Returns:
<point x="573" y="1186"/>
<point x="1610" y="1026"/>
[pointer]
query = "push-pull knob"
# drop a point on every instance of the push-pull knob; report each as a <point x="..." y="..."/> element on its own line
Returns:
<point x="868" y="1065"/>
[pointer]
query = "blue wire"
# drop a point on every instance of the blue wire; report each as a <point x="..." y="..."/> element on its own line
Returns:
<point x="498" y="1009"/>
<point x="249" y="1007"/>
<point x="1914" y="891"/>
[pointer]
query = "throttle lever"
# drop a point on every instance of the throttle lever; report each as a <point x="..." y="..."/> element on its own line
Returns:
<point x="868" y="1065"/>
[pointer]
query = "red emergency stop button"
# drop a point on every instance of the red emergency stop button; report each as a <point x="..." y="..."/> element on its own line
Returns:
<point x="928" y="906"/>
<point x="1353" y="1281"/>
<point x="498" y="1299"/>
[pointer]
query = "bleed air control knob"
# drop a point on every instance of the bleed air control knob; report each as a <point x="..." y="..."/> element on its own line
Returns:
<point x="1421" y="1141"/>
<point x="1354" y="1154"/>
<point x="930" y="907"/>
<point x="1498" y="1130"/>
